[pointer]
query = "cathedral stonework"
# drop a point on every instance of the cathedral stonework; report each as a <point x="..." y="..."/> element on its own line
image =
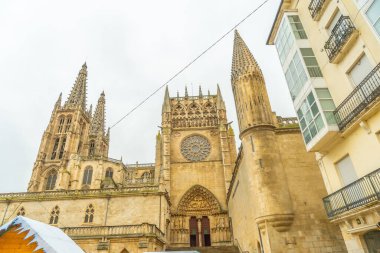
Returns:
<point x="198" y="192"/>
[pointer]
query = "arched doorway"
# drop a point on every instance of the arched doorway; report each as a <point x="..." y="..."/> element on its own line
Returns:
<point x="372" y="239"/>
<point x="199" y="220"/>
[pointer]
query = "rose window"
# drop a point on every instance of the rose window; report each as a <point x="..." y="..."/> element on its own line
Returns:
<point x="195" y="148"/>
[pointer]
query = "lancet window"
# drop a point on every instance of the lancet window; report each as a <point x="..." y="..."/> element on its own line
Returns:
<point x="60" y="124"/>
<point x="87" y="176"/>
<point x="62" y="149"/>
<point x="54" y="215"/>
<point x="68" y="124"/>
<point x="89" y="216"/>
<point x="51" y="179"/>
<point x="91" y="151"/>
<point x="109" y="172"/>
<point x="55" y="148"/>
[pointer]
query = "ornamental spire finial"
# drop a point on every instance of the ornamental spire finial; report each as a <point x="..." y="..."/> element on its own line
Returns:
<point x="98" y="120"/>
<point x="77" y="97"/>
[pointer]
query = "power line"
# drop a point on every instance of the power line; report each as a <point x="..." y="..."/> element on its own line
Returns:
<point x="190" y="63"/>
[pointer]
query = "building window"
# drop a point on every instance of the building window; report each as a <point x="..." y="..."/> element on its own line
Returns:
<point x="91" y="151"/>
<point x="55" y="147"/>
<point x="297" y="27"/>
<point x="54" y="215"/>
<point x="60" y="124"/>
<point x="295" y="76"/>
<point x="361" y="69"/>
<point x="334" y="21"/>
<point x="87" y="176"/>
<point x="68" y="124"/>
<point x="109" y="172"/>
<point x="284" y="41"/>
<point x="310" y="62"/>
<point x="51" y="179"/>
<point x="327" y="104"/>
<point x="62" y="149"/>
<point x="21" y="211"/>
<point x="310" y="118"/>
<point x="373" y="14"/>
<point x="89" y="217"/>
<point x="346" y="171"/>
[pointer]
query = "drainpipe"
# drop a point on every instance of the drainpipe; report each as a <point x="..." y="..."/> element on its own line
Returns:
<point x="6" y="209"/>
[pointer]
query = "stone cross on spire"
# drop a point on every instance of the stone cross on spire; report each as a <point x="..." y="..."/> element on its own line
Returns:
<point x="98" y="120"/>
<point x="243" y="61"/>
<point x="77" y="97"/>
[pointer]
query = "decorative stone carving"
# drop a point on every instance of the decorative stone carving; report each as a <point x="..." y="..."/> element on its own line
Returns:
<point x="195" y="148"/>
<point x="198" y="201"/>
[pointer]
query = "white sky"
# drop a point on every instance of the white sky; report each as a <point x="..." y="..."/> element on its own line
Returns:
<point x="131" y="48"/>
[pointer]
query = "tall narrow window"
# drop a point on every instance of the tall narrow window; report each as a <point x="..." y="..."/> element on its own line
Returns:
<point x="109" y="172"/>
<point x="68" y="124"/>
<point x="91" y="151"/>
<point x="310" y="62"/>
<point x="62" y="149"/>
<point x="346" y="171"/>
<point x="297" y="27"/>
<point x="54" y="215"/>
<point x="87" y="176"/>
<point x="21" y="211"/>
<point x="55" y="147"/>
<point x="284" y="41"/>
<point x="51" y="179"/>
<point x="361" y="69"/>
<point x="327" y="104"/>
<point x="60" y="124"/>
<point x="373" y="14"/>
<point x="89" y="217"/>
<point x="334" y="21"/>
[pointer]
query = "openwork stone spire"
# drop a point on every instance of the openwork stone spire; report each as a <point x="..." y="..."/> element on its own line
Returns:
<point x="243" y="61"/>
<point x="166" y="104"/>
<point x="98" y="120"/>
<point x="219" y="100"/>
<point x="77" y="97"/>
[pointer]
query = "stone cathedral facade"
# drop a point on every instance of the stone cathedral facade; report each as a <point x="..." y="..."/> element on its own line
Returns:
<point x="197" y="193"/>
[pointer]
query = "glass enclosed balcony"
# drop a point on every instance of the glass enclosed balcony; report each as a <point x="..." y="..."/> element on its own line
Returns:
<point x="342" y="36"/>
<point x="359" y="99"/>
<point x="363" y="191"/>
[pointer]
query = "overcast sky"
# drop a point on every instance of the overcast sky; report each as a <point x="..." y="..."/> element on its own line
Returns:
<point x="131" y="48"/>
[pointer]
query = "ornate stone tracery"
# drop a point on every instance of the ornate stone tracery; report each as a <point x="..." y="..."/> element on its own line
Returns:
<point x="198" y="201"/>
<point x="195" y="148"/>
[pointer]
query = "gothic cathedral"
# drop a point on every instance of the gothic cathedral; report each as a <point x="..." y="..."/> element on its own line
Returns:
<point x="198" y="193"/>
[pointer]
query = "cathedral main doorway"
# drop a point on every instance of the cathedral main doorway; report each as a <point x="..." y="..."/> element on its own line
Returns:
<point x="199" y="220"/>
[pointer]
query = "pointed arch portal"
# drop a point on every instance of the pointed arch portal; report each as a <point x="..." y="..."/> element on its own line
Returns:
<point x="198" y="201"/>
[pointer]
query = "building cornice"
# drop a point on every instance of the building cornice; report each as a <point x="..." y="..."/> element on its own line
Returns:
<point x="80" y="194"/>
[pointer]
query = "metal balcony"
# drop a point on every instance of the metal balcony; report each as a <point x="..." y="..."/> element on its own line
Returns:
<point x="340" y="35"/>
<point x="315" y="8"/>
<point x="359" y="193"/>
<point x="363" y="94"/>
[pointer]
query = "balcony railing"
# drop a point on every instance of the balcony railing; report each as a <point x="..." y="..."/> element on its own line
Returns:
<point x="114" y="231"/>
<point x="361" y="192"/>
<point x="366" y="92"/>
<point x="315" y="7"/>
<point x="340" y="34"/>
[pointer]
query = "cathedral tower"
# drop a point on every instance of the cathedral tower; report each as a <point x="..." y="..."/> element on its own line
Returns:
<point x="71" y="131"/>
<point x="257" y="133"/>
<point x="197" y="150"/>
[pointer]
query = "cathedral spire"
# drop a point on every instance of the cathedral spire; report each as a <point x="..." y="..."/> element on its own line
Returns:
<point x="219" y="99"/>
<point x="186" y="93"/>
<point x="243" y="61"/>
<point x="200" y="91"/>
<point x="77" y="97"/>
<point x="59" y="102"/>
<point x="98" y="120"/>
<point x="166" y="104"/>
